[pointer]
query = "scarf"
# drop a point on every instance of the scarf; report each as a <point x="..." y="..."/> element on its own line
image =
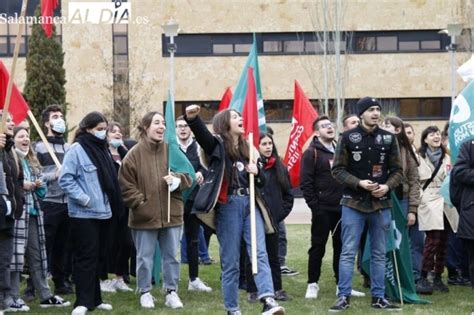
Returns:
<point x="56" y="140"/>
<point x="97" y="150"/>
<point x="434" y="156"/>
<point x="270" y="162"/>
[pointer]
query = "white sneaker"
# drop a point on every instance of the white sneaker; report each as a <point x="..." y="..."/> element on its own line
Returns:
<point x="354" y="293"/>
<point x="173" y="300"/>
<point x="107" y="286"/>
<point x="104" y="307"/>
<point x="79" y="310"/>
<point x="198" y="285"/>
<point x="18" y="305"/>
<point x="312" y="291"/>
<point x="147" y="300"/>
<point x="121" y="286"/>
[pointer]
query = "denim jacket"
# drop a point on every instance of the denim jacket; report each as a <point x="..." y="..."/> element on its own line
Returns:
<point x="80" y="182"/>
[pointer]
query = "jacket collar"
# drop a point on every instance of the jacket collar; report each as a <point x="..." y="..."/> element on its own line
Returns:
<point x="152" y="145"/>
<point x="365" y="132"/>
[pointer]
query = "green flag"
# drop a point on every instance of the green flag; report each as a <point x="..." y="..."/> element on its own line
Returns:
<point x="460" y="130"/>
<point x="238" y="99"/>
<point x="177" y="160"/>
<point x="397" y="243"/>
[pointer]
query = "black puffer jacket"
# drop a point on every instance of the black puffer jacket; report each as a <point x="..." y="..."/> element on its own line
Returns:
<point x="320" y="190"/>
<point x="462" y="175"/>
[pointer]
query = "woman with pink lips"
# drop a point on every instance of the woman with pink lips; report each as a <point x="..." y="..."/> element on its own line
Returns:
<point x="145" y="181"/>
<point x="29" y="235"/>
<point x="434" y="216"/>
<point x="224" y="199"/>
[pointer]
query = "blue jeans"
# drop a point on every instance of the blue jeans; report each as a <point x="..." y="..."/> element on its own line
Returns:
<point x="233" y="223"/>
<point x="352" y="223"/>
<point x="145" y="242"/>
<point x="417" y="243"/>
<point x="202" y="248"/>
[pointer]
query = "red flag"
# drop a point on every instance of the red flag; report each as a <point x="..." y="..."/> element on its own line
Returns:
<point x="18" y="106"/>
<point x="47" y="11"/>
<point x="304" y="115"/>
<point x="225" y="101"/>
<point x="250" y="114"/>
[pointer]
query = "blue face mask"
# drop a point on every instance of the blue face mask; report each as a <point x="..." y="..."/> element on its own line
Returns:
<point x="101" y="134"/>
<point x="116" y="143"/>
<point x="58" y="125"/>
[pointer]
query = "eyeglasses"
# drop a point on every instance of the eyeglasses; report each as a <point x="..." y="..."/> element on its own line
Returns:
<point x="327" y="125"/>
<point x="182" y="126"/>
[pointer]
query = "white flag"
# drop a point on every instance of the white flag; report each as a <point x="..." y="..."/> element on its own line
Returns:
<point x="466" y="71"/>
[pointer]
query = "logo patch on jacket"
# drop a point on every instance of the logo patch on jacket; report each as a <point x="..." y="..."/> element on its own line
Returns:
<point x="356" y="155"/>
<point x="387" y="139"/>
<point x="355" y="137"/>
<point x="378" y="139"/>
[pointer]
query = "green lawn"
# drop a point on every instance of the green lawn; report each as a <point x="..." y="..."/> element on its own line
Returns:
<point x="460" y="300"/>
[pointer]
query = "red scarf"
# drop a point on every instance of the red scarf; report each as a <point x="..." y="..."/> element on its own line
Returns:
<point x="270" y="163"/>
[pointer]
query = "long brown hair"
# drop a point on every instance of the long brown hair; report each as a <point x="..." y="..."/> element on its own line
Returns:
<point x="146" y="122"/>
<point x="402" y="136"/>
<point x="221" y="126"/>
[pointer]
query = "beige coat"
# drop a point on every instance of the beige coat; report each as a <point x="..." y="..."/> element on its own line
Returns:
<point x="432" y="206"/>
<point x="144" y="190"/>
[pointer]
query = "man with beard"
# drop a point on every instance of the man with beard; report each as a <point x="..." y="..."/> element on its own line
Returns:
<point x="322" y="194"/>
<point x="54" y="205"/>
<point x="367" y="162"/>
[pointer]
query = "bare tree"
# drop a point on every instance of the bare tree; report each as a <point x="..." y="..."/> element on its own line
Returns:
<point x="327" y="17"/>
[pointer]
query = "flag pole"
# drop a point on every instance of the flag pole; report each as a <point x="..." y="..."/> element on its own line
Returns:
<point x="253" y="224"/>
<point x="169" y="195"/>
<point x="398" y="276"/>
<point x="16" y="52"/>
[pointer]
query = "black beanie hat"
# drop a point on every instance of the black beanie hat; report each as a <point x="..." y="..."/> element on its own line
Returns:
<point x="364" y="103"/>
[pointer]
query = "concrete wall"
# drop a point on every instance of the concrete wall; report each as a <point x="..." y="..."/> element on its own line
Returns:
<point x="88" y="48"/>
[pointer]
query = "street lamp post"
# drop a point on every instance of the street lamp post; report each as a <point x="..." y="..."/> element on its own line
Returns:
<point x="171" y="30"/>
<point x="453" y="30"/>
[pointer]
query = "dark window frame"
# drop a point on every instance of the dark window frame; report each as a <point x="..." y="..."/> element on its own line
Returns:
<point x="349" y="107"/>
<point x="205" y="42"/>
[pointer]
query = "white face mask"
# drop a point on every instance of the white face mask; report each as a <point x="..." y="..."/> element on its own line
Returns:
<point x="116" y="143"/>
<point x="58" y="125"/>
<point x="20" y="153"/>
<point x="101" y="134"/>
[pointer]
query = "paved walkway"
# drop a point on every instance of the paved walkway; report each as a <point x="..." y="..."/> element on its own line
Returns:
<point x="301" y="214"/>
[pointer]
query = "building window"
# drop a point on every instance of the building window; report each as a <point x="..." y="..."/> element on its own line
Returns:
<point x="8" y="31"/>
<point x="207" y="112"/>
<point x="386" y="43"/>
<point x="238" y="44"/>
<point x="282" y="110"/>
<point x="422" y="108"/>
<point x="121" y="87"/>
<point x="399" y="41"/>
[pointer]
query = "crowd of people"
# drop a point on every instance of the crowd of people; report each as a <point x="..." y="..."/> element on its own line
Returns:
<point x="64" y="215"/>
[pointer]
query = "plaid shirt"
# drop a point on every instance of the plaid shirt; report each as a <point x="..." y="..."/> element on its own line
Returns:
<point x="364" y="155"/>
